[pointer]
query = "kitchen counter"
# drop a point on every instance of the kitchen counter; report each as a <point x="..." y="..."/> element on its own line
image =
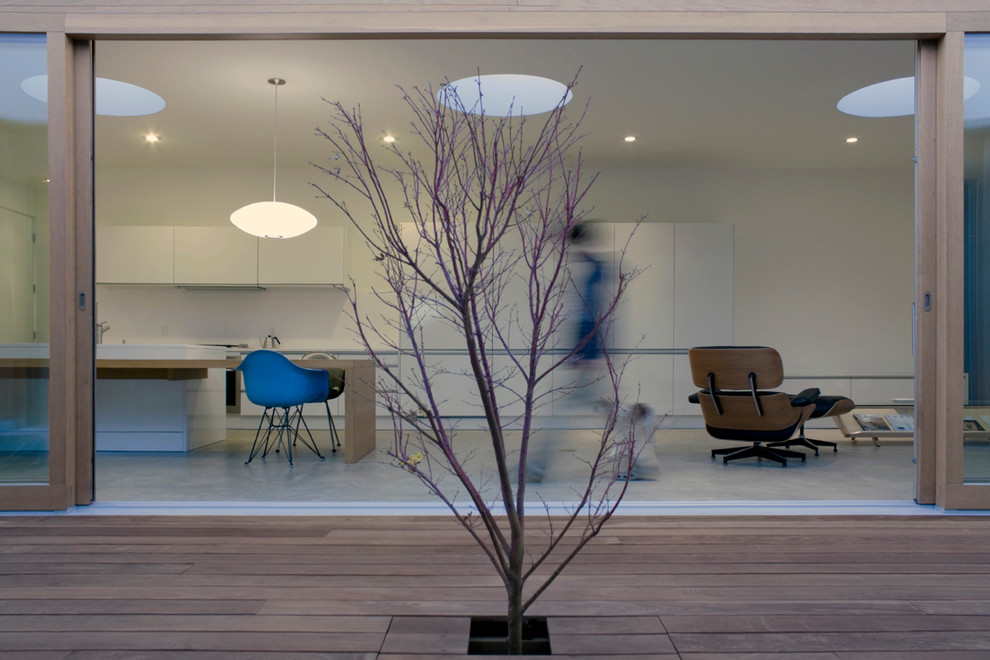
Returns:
<point x="158" y="408"/>
<point x="171" y="397"/>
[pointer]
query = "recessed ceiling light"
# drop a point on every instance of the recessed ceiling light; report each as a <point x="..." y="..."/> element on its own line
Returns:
<point x="113" y="97"/>
<point x="504" y="94"/>
<point x="388" y="139"/>
<point x="630" y="138"/>
<point x="151" y="137"/>
<point x="891" y="98"/>
<point x="852" y="140"/>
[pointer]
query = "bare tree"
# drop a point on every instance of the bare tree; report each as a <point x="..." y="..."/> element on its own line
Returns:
<point x="472" y="233"/>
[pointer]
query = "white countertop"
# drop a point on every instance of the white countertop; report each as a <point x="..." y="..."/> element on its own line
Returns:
<point x="125" y="351"/>
<point x="160" y="352"/>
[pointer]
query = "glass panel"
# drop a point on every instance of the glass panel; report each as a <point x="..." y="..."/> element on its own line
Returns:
<point x="759" y="146"/>
<point x="976" y="114"/>
<point x="23" y="264"/>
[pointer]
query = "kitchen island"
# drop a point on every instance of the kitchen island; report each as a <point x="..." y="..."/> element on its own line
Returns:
<point x="171" y="397"/>
<point x="359" y="391"/>
<point x="142" y="409"/>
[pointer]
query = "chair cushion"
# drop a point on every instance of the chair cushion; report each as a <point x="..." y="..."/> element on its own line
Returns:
<point x="805" y="397"/>
<point x="778" y="435"/>
<point x="829" y="405"/>
<point x="335" y="377"/>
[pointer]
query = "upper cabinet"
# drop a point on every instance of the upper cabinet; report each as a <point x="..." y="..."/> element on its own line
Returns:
<point x="316" y="257"/>
<point x="703" y="284"/>
<point x="134" y="255"/>
<point x="215" y="255"/>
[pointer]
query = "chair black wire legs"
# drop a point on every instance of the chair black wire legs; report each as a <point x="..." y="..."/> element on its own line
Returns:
<point x="283" y="428"/>
<point x="267" y="416"/>
<point x="334" y="437"/>
<point x="757" y="450"/>
<point x="805" y="441"/>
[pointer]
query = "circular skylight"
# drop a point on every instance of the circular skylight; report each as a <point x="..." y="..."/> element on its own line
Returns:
<point x="113" y="97"/>
<point x="890" y="98"/>
<point x="22" y="55"/>
<point x="976" y="111"/>
<point x="504" y="94"/>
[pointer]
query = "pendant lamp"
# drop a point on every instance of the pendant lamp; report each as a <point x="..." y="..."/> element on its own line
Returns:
<point x="273" y="219"/>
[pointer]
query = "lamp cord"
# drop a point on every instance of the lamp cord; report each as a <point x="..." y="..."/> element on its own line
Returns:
<point x="275" y="148"/>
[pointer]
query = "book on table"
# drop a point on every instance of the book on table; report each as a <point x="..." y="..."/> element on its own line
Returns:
<point x="900" y="422"/>
<point x="872" y="422"/>
<point x="972" y="424"/>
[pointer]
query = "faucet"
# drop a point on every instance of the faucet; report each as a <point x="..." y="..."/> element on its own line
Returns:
<point x="101" y="328"/>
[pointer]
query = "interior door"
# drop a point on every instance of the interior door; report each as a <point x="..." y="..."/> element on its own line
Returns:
<point x="18" y="286"/>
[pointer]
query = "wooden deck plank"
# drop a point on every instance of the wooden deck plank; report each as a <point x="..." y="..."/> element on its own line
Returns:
<point x="123" y="622"/>
<point x="769" y="643"/>
<point x="635" y="587"/>
<point x="824" y="623"/>
<point x="352" y="642"/>
<point x="46" y="607"/>
<point x="214" y="587"/>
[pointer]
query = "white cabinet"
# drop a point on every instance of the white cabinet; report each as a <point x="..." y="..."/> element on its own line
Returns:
<point x="134" y="255"/>
<point x="224" y="256"/>
<point x="703" y="284"/>
<point x="645" y="315"/>
<point x="683" y="387"/>
<point x="215" y="255"/>
<point x="316" y="257"/>
<point x="649" y="379"/>
<point x="683" y="294"/>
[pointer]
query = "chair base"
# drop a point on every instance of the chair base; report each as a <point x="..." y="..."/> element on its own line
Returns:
<point x="805" y="441"/>
<point x="757" y="450"/>
<point x="284" y="426"/>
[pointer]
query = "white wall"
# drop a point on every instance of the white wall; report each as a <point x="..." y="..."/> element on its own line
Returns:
<point x="824" y="259"/>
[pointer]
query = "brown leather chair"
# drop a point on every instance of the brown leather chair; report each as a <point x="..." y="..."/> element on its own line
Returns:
<point x="739" y="403"/>
<point x="826" y="405"/>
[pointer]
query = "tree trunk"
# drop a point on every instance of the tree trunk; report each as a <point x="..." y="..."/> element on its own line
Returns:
<point x="514" y="587"/>
<point x="514" y="617"/>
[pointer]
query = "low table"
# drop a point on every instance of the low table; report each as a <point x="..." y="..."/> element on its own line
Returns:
<point x="853" y="429"/>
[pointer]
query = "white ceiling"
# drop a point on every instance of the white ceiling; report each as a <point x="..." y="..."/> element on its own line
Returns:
<point x="764" y="104"/>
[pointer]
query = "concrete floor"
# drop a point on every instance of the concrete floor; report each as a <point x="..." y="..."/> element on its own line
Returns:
<point x="859" y="471"/>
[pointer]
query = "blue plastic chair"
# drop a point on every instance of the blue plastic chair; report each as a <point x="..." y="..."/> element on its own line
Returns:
<point x="282" y="387"/>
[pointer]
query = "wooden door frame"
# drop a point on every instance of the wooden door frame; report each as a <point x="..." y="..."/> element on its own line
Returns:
<point x="71" y="349"/>
<point x="949" y="252"/>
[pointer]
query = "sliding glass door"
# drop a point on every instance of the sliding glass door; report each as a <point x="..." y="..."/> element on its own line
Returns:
<point x="46" y="328"/>
<point x="974" y="436"/>
<point x="24" y="231"/>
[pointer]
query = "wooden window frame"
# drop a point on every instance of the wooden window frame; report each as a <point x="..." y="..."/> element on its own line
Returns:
<point x="72" y="26"/>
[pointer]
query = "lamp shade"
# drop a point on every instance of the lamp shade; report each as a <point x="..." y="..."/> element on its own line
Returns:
<point x="273" y="219"/>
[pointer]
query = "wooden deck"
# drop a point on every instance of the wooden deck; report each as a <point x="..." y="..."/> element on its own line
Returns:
<point x="285" y="588"/>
